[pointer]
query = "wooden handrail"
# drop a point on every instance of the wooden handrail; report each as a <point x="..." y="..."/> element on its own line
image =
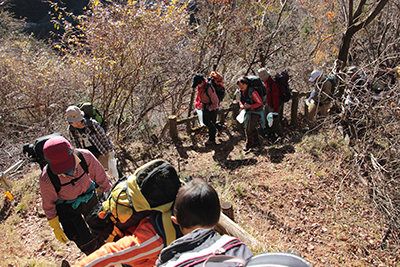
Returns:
<point x="173" y="121"/>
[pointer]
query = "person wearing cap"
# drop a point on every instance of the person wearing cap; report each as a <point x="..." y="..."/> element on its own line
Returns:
<point x="320" y="100"/>
<point x="207" y="101"/>
<point x="88" y="134"/>
<point x="76" y="197"/>
<point x="273" y="102"/>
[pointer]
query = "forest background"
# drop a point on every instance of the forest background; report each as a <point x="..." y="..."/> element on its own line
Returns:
<point x="135" y="59"/>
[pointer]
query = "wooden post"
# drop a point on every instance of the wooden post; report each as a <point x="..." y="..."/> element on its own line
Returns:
<point x="173" y="128"/>
<point x="222" y="117"/>
<point x="235" y="109"/>
<point x="227" y="209"/>
<point x="229" y="227"/>
<point x="295" y="106"/>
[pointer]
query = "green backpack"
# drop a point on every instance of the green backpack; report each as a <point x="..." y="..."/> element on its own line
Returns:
<point x="91" y="112"/>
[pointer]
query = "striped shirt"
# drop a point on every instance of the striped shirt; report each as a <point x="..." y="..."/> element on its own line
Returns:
<point x="139" y="249"/>
<point x="97" y="137"/>
<point x="69" y="192"/>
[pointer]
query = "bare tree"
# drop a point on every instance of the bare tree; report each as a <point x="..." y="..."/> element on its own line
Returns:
<point x="357" y="20"/>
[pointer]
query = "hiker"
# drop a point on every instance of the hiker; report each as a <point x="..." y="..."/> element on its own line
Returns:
<point x="273" y="103"/>
<point x="140" y="208"/>
<point x="251" y="101"/>
<point x="383" y="79"/>
<point x="88" y="134"/>
<point x="320" y="100"/>
<point x="197" y="211"/>
<point x="76" y="196"/>
<point x="358" y="88"/>
<point x="207" y="101"/>
<point x="357" y="95"/>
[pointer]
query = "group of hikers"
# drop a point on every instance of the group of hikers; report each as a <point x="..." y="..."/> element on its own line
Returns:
<point x="73" y="179"/>
<point x="263" y="106"/>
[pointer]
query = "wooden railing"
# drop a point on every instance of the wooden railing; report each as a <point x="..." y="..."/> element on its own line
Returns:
<point x="173" y="120"/>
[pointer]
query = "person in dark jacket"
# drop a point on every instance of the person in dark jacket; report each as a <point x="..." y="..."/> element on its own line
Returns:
<point x="197" y="211"/>
<point x="251" y="101"/>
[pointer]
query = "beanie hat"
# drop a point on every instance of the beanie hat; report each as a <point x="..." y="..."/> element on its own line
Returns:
<point x="59" y="154"/>
<point x="314" y="75"/>
<point x="197" y="79"/>
<point x="74" y="114"/>
<point x="263" y="73"/>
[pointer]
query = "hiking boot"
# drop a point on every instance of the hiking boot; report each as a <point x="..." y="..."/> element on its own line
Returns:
<point x="209" y="143"/>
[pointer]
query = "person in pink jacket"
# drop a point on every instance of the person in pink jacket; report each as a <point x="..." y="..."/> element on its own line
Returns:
<point x="68" y="191"/>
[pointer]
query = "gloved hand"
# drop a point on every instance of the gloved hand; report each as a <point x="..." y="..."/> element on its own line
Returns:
<point x="58" y="232"/>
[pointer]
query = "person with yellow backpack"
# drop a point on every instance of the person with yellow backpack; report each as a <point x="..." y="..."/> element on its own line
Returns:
<point x="140" y="207"/>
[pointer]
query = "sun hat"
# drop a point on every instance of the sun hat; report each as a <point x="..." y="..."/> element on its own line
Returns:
<point x="59" y="154"/>
<point x="263" y="73"/>
<point x="74" y="114"/>
<point x="314" y="75"/>
<point x="197" y="79"/>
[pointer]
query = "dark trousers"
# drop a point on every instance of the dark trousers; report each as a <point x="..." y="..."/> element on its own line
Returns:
<point x="209" y="119"/>
<point x="75" y="227"/>
<point x="251" y="131"/>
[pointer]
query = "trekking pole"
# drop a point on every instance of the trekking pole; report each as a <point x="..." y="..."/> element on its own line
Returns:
<point x="3" y="180"/>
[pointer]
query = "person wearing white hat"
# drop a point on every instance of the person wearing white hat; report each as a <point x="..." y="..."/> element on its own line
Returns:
<point x="320" y="100"/>
<point x="88" y="134"/>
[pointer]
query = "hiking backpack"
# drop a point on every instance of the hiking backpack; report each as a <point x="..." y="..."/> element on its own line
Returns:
<point x="90" y="112"/>
<point x="282" y="81"/>
<point x="35" y="154"/>
<point x="258" y="85"/>
<point x="152" y="187"/>
<point x="286" y="259"/>
<point x="216" y="81"/>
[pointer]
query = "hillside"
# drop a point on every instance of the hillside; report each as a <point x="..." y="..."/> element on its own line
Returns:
<point x="291" y="196"/>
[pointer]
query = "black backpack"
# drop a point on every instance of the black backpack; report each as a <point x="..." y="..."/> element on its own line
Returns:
<point x="258" y="85"/>
<point x="35" y="154"/>
<point x="215" y="80"/>
<point x="219" y="90"/>
<point x="282" y="81"/>
<point x="90" y="112"/>
<point x="152" y="187"/>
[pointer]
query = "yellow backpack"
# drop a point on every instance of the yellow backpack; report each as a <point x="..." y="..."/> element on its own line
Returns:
<point x="153" y="187"/>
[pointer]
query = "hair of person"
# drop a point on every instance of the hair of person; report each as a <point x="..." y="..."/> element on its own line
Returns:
<point x="197" y="204"/>
<point x="243" y="79"/>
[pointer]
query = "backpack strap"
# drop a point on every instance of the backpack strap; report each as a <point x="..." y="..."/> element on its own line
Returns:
<point x="190" y="258"/>
<point x="55" y="180"/>
<point x="212" y="89"/>
<point x="90" y="125"/>
<point x="170" y="234"/>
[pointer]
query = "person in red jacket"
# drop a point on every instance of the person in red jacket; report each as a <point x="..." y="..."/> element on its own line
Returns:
<point x="207" y="101"/>
<point x="273" y="103"/>
<point x="251" y="101"/>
